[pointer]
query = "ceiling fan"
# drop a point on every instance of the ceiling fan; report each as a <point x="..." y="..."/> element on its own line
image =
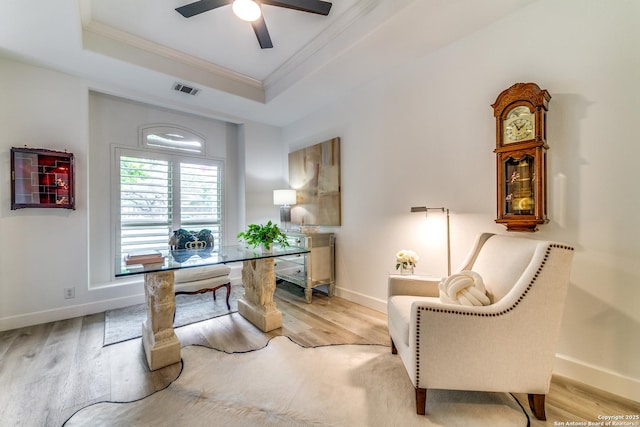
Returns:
<point x="250" y="10"/>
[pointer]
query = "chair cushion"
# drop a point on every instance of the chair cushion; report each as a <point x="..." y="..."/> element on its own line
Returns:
<point x="200" y="273"/>
<point x="199" y="285"/>
<point x="399" y="315"/>
<point x="501" y="262"/>
<point x="464" y="288"/>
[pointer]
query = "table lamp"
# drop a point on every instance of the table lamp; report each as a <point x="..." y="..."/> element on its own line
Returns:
<point x="284" y="199"/>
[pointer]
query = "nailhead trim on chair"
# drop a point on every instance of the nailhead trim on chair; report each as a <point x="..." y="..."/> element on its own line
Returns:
<point x="505" y="311"/>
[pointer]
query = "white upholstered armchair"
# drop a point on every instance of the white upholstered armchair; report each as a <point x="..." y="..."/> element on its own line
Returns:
<point x="506" y="346"/>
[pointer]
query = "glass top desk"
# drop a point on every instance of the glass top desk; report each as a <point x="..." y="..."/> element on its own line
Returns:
<point x="187" y="258"/>
<point x="161" y="345"/>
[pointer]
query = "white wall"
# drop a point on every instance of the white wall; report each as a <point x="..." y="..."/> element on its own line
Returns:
<point x="425" y="134"/>
<point x="265" y="171"/>
<point x="44" y="251"/>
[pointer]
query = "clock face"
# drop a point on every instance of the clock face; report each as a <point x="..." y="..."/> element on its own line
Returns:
<point x="518" y="125"/>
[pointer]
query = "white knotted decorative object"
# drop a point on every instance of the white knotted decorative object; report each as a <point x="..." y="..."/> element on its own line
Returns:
<point x="464" y="288"/>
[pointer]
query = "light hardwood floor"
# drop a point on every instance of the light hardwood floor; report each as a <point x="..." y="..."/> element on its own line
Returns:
<point x="49" y="371"/>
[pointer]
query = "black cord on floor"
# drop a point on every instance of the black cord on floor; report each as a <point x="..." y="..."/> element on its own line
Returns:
<point x="523" y="410"/>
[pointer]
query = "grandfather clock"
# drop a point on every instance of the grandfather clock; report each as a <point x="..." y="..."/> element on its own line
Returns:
<point x="521" y="150"/>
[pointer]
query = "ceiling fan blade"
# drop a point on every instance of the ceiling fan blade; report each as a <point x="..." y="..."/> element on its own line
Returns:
<point x="198" y="7"/>
<point x="311" y="6"/>
<point x="260" y="28"/>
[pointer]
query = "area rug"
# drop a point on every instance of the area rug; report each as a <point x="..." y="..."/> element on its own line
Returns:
<point x="284" y="384"/>
<point x="126" y="323"/>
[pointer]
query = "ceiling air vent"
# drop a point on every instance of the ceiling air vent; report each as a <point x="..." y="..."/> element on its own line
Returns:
<point x="185" y="89"/>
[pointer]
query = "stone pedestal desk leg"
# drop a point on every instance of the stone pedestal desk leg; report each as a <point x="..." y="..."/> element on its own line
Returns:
<point x="257" y="304"/>
<point x="161" y="345"/>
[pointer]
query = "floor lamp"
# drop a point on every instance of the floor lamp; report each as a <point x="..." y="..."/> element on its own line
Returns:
<point x="284" y="199"/>
<point x="446" y="211"/>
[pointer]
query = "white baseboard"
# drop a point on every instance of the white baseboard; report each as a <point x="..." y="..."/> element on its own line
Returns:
<point x="54" y="315"/>
<point x="366" y="300"/>
<point x="598" y="377"/>
<point x="69" y="312"/>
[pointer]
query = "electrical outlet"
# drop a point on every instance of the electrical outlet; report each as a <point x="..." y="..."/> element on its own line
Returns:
<point x="69" y="293"/>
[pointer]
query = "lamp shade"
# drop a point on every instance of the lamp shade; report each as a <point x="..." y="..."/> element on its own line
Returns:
<point x="426" y="210"/>
<point x="247" y="10"/>
<point x="284" y="197"/>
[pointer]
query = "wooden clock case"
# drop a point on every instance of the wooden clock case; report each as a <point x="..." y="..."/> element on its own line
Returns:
<point x="521" y="159"/>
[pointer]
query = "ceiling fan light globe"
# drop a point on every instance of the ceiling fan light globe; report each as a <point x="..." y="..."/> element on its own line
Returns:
<point x="247" y="10"/>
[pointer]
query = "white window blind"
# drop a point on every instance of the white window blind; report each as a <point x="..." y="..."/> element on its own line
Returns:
<point x="200" y="196"/>
<point x="145" y="203"/>
<point x="158" y="196"/>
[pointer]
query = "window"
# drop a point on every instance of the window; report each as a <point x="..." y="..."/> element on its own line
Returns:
<point x="160" y="193"/>
<point x="172" y="138"/>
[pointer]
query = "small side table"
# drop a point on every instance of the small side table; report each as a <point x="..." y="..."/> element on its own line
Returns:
<point x="404" y="284"/>
<point x="417" y="276"/>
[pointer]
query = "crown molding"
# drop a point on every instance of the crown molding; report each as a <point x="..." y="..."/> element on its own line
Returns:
<point x="300" y="63"/>
<point x="104" y="39"/>
<point x="107" y="40"/>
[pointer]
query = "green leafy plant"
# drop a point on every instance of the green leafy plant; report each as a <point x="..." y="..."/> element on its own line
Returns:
<point x="258" y="234"/>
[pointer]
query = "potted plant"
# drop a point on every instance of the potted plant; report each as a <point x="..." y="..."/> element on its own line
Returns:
<point x="263" y="235"/>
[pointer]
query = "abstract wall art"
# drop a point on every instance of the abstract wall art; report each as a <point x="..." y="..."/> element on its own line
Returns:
<point x="314" y="172"/>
